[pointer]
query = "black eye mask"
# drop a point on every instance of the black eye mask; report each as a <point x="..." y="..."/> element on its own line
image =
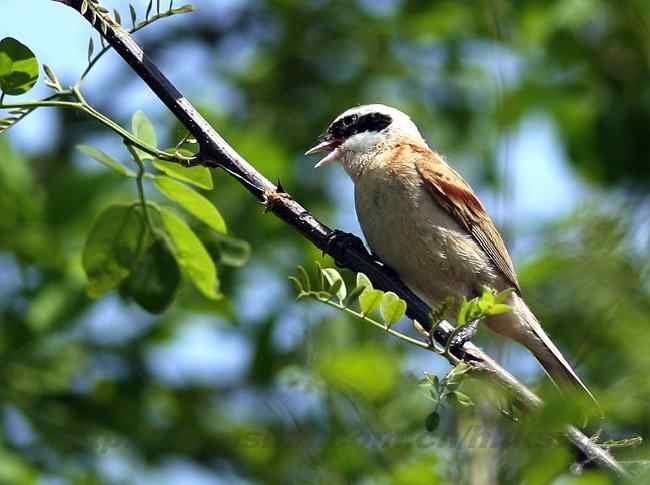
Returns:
<point x="350" y="125"/>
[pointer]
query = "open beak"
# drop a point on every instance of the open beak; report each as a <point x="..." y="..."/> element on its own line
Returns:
<point x="331" y="146"/>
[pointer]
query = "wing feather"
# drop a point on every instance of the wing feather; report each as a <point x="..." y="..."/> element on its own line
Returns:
<point x="454" y="195"/>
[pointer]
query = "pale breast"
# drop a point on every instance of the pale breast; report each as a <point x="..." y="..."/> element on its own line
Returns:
<point x="411" y="233"/>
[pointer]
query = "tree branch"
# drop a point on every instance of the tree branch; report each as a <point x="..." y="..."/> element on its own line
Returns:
<point x="216" y="152"/>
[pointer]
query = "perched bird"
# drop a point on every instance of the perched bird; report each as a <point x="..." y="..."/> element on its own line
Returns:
<point x="425" y="222"/>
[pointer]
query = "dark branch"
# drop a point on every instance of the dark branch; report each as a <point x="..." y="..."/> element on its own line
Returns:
<point x="216" y="152"/>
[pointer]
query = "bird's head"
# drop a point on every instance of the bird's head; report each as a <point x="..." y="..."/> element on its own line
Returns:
<point x="358" y="134"/>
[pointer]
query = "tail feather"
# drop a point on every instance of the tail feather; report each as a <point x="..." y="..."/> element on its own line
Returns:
<point x="529" y="333"/>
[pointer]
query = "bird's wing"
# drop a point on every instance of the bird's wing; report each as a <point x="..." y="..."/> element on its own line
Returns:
<point x="454" y="195"/>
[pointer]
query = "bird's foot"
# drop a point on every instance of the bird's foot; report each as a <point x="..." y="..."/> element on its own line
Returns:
<point x="461" y="336"/>
<point x="339" y="242"/>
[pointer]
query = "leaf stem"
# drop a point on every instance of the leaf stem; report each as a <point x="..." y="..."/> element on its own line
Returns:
<point x="386" y="328"/>
<point x="140" y="183"/>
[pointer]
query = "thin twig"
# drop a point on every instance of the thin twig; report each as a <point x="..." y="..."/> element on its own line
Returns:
<point x="82" y="105"/>
<point x="133" y="30"/>
<point x="385" y="328"/>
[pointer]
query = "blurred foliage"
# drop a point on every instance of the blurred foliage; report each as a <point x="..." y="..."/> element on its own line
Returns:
<point x="257" y="388"/>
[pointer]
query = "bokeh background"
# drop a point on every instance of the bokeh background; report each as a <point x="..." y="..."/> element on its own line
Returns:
<point x="543" y="106"/>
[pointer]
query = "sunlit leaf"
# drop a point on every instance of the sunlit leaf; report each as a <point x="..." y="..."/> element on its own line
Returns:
<point x="18" y="67"/>
<point x="370" y="300"/>
<point x="5" y="64"/>
<point x="199" y="176"/>
<point x="52" y="79"/>
<point x="102" y="157"/>
<point x="111" y="247"/>
<point x="499" y="308"/>
<point x="183" y="9"/>
<point x="191" y="201"/>
<point x="392" y="308"/>
<point x="462" y="312"/>
<point x="190" y="254"/>
<point x="364" y="281"/>
<point x="503" y="296"/>
<point x="336" y="282"/>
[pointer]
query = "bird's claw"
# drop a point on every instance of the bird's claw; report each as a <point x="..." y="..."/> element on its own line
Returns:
<point x="462" y="336"/>
<point x="338" y="242"/>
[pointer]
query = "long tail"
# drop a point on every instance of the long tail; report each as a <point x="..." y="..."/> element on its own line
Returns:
<point x="529" y="333"/>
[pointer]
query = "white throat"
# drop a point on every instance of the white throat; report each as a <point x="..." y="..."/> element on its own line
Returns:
<point x="358" y="151"/>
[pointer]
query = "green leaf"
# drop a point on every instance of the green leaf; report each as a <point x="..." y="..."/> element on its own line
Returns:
<point x="184" y="9"/>
<point x="369" y="300"/>
<point x="52" y="79"/>
<point x="498" y="309"/>
<point x="233" y="251"/>
<point x="190" y="254"/>
<point x="463" y="311"/>
<point x="392" y="308"/>
<point x="305" y="277"/>
<point x="353" y="295"/>
<point x="134" y="16"/>
<point x="111" y="247"/>
<point x="102" y="157"/>
<point x="199" y="176"/>
<point x="155" y="278"/>
<point x="191" y="201"/>
<point x="503" y="296"/>
<point x="297" y="283"/>
<point x="91" y="49"/>
<point x="461" y="398"/>
<point x="143" y="130"/>
<point x="5" y="64"/>
<point x="337" y="285"/>
<point x="146" y="15"/>
<point x="364" y="281"/>
<point x="432" y="422"/>
<point x="366" y="371"/>
<point x="456" y="375"/>
<point x="18" y="67"/>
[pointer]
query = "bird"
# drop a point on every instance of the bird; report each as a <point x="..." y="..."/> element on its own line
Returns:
<point x="421" y="218"/>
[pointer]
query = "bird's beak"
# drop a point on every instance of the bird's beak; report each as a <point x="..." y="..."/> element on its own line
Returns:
<point x="331" y="146"/>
